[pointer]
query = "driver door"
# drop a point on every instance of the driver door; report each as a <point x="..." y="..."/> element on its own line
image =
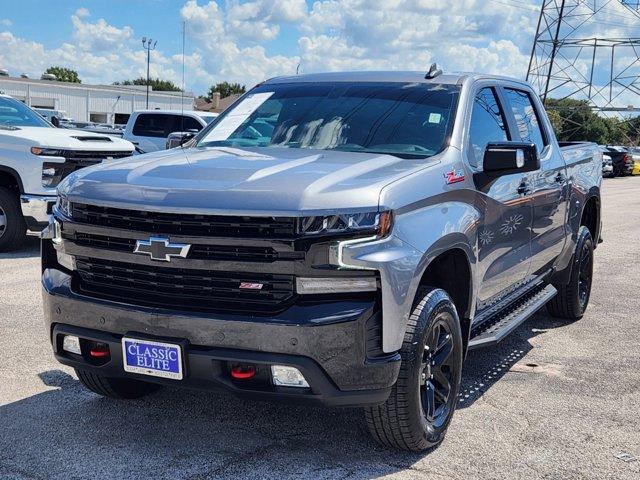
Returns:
<point x="504" y="236"/>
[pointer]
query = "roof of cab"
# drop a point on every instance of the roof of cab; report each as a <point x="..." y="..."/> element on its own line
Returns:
<point x="389" y="76"/>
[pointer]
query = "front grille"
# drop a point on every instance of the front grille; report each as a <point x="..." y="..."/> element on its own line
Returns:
<point x="185" y="224"/>
<point x="196" y="252"/>
<point x="182" y="289"/>
<point x="78" y="159"/>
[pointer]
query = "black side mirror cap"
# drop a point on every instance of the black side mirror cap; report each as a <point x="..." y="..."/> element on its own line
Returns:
<point x="510" y="157"/>
<point x="55" y="121"/>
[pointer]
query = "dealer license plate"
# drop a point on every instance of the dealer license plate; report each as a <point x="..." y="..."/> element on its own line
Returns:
<point x="157" y="359"/>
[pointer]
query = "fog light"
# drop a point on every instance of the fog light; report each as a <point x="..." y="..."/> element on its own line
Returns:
<point x="66" y="260"/>
<point x="71" y="343"/>
<point x="284" y="376"/>
<point x="336" y="285"/>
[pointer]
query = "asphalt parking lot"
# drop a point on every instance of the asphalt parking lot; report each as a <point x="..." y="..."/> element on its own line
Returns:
<point x="555" y="400"/>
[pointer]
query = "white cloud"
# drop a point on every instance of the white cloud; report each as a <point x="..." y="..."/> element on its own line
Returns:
<point x="6" y="22"/>
<point x="83" y="12"/>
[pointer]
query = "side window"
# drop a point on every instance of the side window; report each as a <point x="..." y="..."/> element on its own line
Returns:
<point x="151" y="125"/>
<point x="526" y="117"/>
<point x="185" y="123"/>
<point x="487" y="125"/>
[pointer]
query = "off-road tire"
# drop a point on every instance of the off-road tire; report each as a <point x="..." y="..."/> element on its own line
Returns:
<point x="401" y="422"/>
<point x="15" y="230"/>
<point x="117" y="388"/>
<point x="568" y="303"/>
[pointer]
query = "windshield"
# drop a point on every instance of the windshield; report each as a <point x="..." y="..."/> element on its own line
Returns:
<point x="16" y="114"/>
<point x="403" y="119"/>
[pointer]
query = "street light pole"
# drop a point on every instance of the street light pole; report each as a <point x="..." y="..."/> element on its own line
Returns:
<point x="148" y="45"/>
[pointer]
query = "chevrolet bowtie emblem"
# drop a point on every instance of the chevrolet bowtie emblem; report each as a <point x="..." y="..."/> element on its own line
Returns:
<point x="159" y="248"/>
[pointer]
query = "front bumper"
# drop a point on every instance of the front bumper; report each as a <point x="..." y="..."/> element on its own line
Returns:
<point x="36" y="210"/>
<point x="326" y="341"/>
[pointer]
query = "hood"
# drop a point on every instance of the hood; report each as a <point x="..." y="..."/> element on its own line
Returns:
<point x="248" y="181"/>
<point x="68" y="139"/>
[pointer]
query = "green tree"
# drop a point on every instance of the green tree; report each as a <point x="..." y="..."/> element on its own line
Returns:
<point x="156" y="83"/>
<point x="64" y="74"/>
<point x="225" y="89"/>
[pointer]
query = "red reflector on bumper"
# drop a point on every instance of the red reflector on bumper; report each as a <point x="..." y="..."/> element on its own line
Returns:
<point x="99" y="352"/>
<point x="243" y="372"/>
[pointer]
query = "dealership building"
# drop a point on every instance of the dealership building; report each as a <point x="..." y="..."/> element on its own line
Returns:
<point x="92" y="103"/>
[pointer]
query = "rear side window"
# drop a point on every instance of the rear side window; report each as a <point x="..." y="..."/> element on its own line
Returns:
<point x="152" y="125"/>
<point x="183" y="124"/>
<point x="487" y="124"/>
<point x="527" y="117"/>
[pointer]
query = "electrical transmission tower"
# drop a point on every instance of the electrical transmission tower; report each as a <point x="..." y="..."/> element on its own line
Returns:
<point x="567" y="63"/>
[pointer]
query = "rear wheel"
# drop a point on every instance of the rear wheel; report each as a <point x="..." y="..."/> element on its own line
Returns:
<point x="419" y="409"/>
<point x="12" y="226"/>
<point x="118" y="388"/>
<point x="573" y="298"/>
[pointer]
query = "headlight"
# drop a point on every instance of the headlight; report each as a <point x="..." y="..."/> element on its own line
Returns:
<point x="377" y="223"/>
<point x="63" y="205"/>
<point x="47" y="152"/>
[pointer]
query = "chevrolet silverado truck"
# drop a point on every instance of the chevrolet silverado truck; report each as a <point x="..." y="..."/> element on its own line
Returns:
<point x="339" y="238"/>
<point x="34" y="158"/>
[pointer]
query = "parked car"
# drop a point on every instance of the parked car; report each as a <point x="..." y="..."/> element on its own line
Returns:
<point x="607" y="166"/>
<point x="34" y="158"/>
<point x="340" y="238"/>
<point x="50" y="113"/>
<point x="148" y="129"/>
<point x="621" y="159"/>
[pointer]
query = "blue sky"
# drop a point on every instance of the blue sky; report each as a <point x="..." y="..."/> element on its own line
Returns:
<point x="250" y="40"/>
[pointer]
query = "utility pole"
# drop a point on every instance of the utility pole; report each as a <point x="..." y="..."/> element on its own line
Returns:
<point x="148" y="45"/>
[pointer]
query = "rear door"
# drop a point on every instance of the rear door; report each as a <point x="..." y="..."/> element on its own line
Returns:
<point x="504" y="236"/>
<point x="548" y="186"/>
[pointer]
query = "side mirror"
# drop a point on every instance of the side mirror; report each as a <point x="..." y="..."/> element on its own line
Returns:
<point x="55" y="121"/>
<point x="177" y="139"/>
<point x="510" y="157"/>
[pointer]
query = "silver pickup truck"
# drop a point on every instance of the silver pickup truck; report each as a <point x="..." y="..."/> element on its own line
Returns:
<point x="339" y="238"/>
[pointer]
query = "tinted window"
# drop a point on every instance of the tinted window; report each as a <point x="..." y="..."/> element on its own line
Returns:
<point x="403" y="119"/>
<point x="186" y="123"/>
<point x="526" y="117"/>
<point x="152" y="125"/>
<point x="487" y="124"/>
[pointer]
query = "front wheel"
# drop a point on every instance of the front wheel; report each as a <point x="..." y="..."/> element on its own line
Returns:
<point x="13" y="229"/>
<point x="419" y="409"/>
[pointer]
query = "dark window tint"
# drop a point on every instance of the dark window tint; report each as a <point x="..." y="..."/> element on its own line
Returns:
<point x="152" y="125"/>
<point x="526" y="117"/>
<point x="487" y="124"/>
<point x="184" y="124"/>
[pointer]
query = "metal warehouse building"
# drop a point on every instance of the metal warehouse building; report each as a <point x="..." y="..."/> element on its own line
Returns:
<point x="92" y="103"/>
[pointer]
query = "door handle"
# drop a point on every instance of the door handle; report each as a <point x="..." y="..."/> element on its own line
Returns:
<point x="523" y="188"/>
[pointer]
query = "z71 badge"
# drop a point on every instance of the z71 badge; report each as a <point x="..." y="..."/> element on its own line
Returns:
<point x="454" y="176"/>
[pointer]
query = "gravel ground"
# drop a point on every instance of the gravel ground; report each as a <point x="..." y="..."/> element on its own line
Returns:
<point x="554" y="400"/>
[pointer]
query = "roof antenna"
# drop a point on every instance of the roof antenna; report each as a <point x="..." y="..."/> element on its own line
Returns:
<point x="433" y="72"/>
<point x="298" y="69"/>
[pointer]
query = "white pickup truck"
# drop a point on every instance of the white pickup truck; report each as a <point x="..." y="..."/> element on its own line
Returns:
<point x="34" y="158"/>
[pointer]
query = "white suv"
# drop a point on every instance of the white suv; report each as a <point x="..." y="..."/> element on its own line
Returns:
<point x="148" y="129"/>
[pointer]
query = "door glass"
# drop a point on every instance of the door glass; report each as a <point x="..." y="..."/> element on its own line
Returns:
<point x="487" y="125"/>
<point x="151" y="125"/>
<point x="526" y="117"/>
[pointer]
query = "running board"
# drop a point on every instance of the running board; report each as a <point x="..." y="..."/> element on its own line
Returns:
<point x="509" y="319"/>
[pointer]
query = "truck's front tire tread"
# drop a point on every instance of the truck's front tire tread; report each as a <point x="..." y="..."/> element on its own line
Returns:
<point x="395" y="423"/>
<point x="117" y="388"/>
<point x="16" y="229"/>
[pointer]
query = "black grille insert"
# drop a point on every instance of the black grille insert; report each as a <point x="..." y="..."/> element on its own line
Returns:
<point x="183" y="289"/>
<point x="185" y="224"/>
<point x="196" y="252"/>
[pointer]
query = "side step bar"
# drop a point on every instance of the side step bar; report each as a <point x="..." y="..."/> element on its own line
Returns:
<point x="508" y="320"/>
